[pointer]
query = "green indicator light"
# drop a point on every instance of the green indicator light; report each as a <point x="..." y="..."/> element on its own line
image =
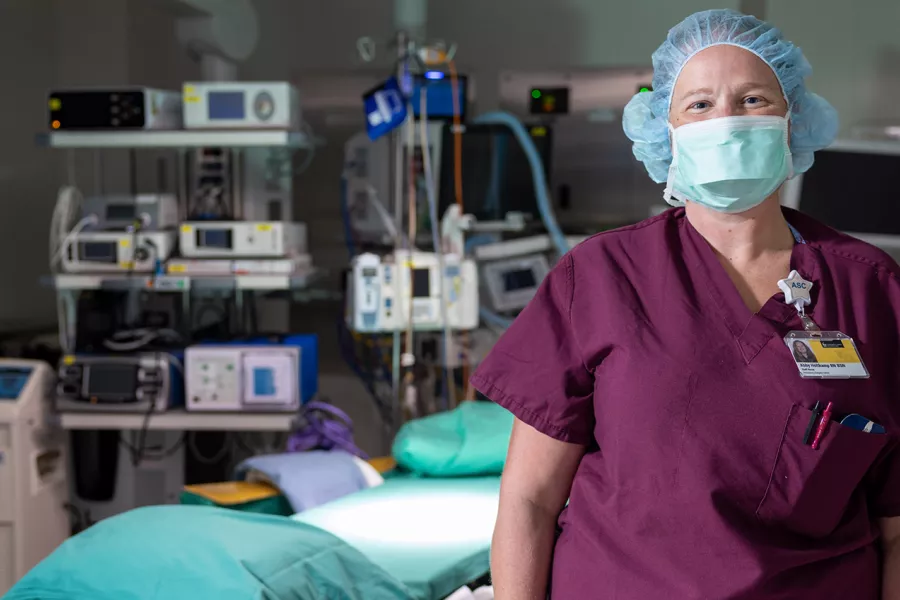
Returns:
<point x="645" y="89"/>
<point x="535" y="94"/>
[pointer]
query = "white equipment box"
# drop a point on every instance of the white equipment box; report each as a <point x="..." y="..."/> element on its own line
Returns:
<point x="33" y="489"/>
<point x="152" y="211"/>
<point x="116" y="251"/>
<point x="389" y="293"/>
<point x="513" y="282"/>
<point x="240" y="104"/>
<point x="216" y="266"/>
<point x="242" y="378"/>
<point x="235" y="239"/>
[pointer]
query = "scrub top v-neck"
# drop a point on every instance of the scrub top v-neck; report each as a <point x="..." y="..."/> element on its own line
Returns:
<point x="696" y="482"/>
<point x="751" y="330"/>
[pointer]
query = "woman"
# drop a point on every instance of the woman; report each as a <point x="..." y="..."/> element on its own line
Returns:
<point x="651" y="382"/>
<point x="803" y="353"/>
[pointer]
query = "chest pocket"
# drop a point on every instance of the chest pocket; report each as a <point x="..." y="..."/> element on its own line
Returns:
<point x="810" y="491"/>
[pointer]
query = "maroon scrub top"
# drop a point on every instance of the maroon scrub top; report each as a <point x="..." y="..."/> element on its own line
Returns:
<point x="696" y="483"/>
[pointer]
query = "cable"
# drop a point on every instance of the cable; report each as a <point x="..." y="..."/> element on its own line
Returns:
<point x="409" y="377"/>
<point x="65" y="212"/>
<point x="457" y="135"/>
<point x="349" y="237"/>
<point x="493" y="318"/>
<point x="537" y="174"/>
<point x="144" y="337"/>
<point x="62" y="252"/>
<point x="449" y="390"/>
<point x="139" y="451"/>
<point x="457" y="174"/>
<point x="216" y="458"/>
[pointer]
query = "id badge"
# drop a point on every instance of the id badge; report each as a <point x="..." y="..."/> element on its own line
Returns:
<point x="825" y="355"/>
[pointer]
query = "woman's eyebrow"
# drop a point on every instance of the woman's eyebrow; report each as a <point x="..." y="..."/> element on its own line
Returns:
<point x="696" y="92"/>
<point x="752" y="85"/>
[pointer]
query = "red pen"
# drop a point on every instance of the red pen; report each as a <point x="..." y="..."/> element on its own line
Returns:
<point x="823" y="425"/>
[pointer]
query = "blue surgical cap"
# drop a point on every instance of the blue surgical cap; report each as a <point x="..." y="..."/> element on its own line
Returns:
<point x="814" y="122"/>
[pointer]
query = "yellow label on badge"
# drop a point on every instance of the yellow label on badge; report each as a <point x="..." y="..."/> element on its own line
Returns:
<point x="68" y="360"/>
<point x="828" y="351"/>
<point x="263" y="227"/>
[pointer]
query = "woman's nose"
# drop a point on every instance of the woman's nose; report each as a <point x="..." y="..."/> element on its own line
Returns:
<point x="728" y="110"/>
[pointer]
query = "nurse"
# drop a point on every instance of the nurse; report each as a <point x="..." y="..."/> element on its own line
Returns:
<point x="653" y="378"/>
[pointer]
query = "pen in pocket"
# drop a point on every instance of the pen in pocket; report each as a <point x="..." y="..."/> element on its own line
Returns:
<point x="812" y="422"/>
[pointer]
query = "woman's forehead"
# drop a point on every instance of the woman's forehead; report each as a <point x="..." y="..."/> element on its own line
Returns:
<point x="725" y="65"/>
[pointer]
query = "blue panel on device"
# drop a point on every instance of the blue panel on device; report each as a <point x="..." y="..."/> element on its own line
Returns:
<point x="12" y="381"/>
<point x="225" y="105"/>
<point x="439" y="97"/>
<point x="385" y="108"/>
<point x="263" y="381"/>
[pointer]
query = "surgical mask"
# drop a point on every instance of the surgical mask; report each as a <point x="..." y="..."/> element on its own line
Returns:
<point x="729" y="164"/>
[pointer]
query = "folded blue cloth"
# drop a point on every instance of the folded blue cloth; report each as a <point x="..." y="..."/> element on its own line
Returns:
<point x="308" y="479"/>
<point x="194" y="552"/>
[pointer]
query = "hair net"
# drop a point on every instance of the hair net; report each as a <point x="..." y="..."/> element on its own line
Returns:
<point x="814" y="122"/>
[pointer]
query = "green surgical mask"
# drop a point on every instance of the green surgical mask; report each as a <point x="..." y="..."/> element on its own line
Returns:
<point x="729" y="164"/>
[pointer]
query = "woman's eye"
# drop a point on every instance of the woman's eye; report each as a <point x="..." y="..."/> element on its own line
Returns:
<point x="753" y="100"/>
<point x="701" y="105"/>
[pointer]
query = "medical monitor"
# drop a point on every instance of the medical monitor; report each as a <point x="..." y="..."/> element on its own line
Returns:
<point x="852" y="187"/>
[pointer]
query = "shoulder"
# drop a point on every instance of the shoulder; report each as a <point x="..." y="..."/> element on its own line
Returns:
<point x="637" y="242"/>
<point x="842" y="252"/>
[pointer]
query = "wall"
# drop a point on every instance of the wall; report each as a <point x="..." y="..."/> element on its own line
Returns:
<point x="46" y="44"/>
<point x="28" y="49"/>
<point x="854" y="50"/>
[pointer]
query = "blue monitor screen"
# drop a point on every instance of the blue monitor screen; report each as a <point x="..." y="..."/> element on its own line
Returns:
<point x="225" y="105"/>
<point x="263" y="381"/>
<point x="12" y="381"/>
<point x="439" y="97"/>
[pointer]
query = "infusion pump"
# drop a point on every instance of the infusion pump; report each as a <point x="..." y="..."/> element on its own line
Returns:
<point x="393" y="292"/>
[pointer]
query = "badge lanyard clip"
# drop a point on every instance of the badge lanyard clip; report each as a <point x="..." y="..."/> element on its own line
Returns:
<point x="796" y="291"/>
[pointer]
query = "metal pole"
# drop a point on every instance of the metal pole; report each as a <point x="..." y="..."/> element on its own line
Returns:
<point x="397" y="138"/>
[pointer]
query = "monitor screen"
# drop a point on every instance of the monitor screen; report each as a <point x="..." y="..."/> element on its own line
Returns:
<point x="12" y="382"/>
<point x="496" y="174"/>
<point x="519" y="279"/>
<point x="112" y="380"/>
<point x="263" y="381"/>
<point x="121" y="212"/>
<point x="421" y="283"/>
<point x="103" y="252"/>
<point x="853" y="191"/>
<point x="225" y="106"/>
<point x="214" y="238"/>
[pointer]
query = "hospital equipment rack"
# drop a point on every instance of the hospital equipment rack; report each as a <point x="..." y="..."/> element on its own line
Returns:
<point x="181" y="141"/>
<point x="297" y="283"/>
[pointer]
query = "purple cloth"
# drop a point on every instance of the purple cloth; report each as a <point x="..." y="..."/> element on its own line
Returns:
<point x="696" y="483"/>
<point x="325" y="427"/>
